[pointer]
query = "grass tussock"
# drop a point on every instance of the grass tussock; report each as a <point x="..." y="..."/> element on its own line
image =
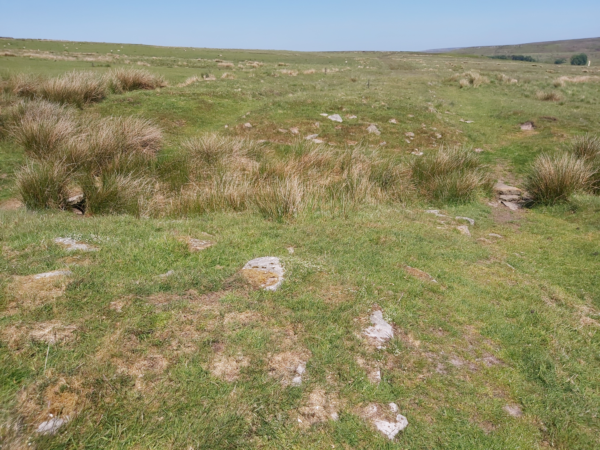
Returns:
<point x="125" y="80"/>
<point x="77" y="88"/>
<point x="42" y="127"/>
<point x="451" y="174"/>
<point x="548" y="96"/>
<point x="554" y="178"/>
<point x="44" y="185"/>
<point x="471" y="79"/>
<point x="587" y="149"/>
<point x="115" y="193"/>
<point x="505" y="79"/>
<point x="562" y="81"/>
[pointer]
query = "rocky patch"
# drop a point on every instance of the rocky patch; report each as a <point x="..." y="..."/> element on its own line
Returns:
<point x="319" y="408"/>
<point x="385" y="419"/>
<point x="72" y="245"/>
<point x="380" y="332"/>
<point x="264" y="273"/>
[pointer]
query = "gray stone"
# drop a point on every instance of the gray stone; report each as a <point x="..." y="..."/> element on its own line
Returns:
<point x="266" y="271"/>
<point x="381" y="331"/>
<point x="512" y="205"/>
<point x="504" y="189"/>
<point x="56" y="273"/>
<point x="311" y="137"/>
<point x="510" y="198"/>
<point x="464" y="230"/>
<point x="373" y="129"/>
<point x="471" y="221"/>
<point x="335" y="118"/>
<point x="72" y="245"/>
<point x="50" y="426"/>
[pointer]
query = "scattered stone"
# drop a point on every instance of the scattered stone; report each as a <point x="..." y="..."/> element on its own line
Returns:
<point x="297" y="380"/>
<point x="55" y="273"/>
<point x="247" y="125"/>
<point x="72" y="245"/>
<point x="503" y="189"/>
<point x="471" y="221"/>
<point x="436" y="212"/>
<point x="478" y="150"/>
<point x="464" y="230"/>
<point x="294" y="130"/>
<point x="388" y="423"/>
<point x="282" y="130"/>
<point x="168" y="274"/>
<point x="484" y="241"/>
<point x="511" y="205"/>
<point x="196" y="245"/>
<point x="527" y="126"/>
<point x="381" y="331"/>
<point x="50" y="427"/>
<point x="311" y="137"/>
<point x="351" y="117"/>
<point x="373" y="129"/>
<point x="410" y="134"/>
<point x="417" y="273"/>
<point x="324" y="114"/>
<point x="510" y="198"/>
<point x="417" y="152"/>
<point x="438" y="135"/>
<point x="265" y="273"/>
<point x="513" y="410"/>
<point x="495" y="235"/>
<point x="335" y="118"/>
<point x="407" y="141"/>
<point x="393" y="121"/>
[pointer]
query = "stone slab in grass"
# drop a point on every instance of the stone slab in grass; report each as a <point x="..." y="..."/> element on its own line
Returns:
<point x="265" y="273"/>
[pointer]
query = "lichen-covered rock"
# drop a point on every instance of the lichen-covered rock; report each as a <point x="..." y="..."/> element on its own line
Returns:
<point x="265" y="273"/>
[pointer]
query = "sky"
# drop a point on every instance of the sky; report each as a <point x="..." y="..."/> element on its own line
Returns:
<point x="304" y="25"/>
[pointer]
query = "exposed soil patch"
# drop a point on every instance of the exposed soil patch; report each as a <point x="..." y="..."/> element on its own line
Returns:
<point x="11" y="205"/>
<point x="34" y="290"/>
<point x="320" y="407"/>
<point x="417" y="273"/>
<point x="288" y="366"/>
<point x="228" y="367"/>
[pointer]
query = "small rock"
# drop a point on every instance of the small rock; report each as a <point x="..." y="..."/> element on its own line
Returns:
<point x="324" y="114"/>
<point x="513" y="410"/>
<point x="417" y="152"/>
<point x="335" y="118"/>
<point x="290" y="250"/>
<point x="311" y="137"/>
<point x="478" y="150"/>
<point x="382" y="143"/>
<point x="393" y="121"/>
<point x="510" y="198"/>
<point x="411" y="116"/>
<point x="294" y="130"/>
<point x="469" y="121"/>
<point x="168" y="274"/>
<point x="381" y="331"/>
<point x="351" y="117"/>
<point x="281" y="130"/>
<point x="247" y="125"/>
<point x="511" y="205"/>
<point x="527" y="126"/>
<point x="471" y="221"/>
<point x="318" y="141"/>
<point x="484" y="240"/>
<point x="464" y="230"/>
<point x="51" y="426"/>
<point x="55" y="273"/>
<point x="391" y="429"/>
<point x="373" y="129"/>
<point x="410" y="134"/>
<point x="495" y="235"/>
<point x="438" y="135"/>
<point x="266" y="272"/>
<point x="503" y="189"/>
<point x="407" y="141"/>
<point x="72" y="245"/>
<point x="435" y="212"/>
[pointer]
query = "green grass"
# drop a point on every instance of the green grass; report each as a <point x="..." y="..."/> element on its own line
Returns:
<point x="531" y="299"/>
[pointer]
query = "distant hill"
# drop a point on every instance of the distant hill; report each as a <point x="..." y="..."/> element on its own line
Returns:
<point x="542" y="51"/>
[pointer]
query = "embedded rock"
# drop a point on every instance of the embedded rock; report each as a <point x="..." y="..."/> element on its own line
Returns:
<point x="381" y="331"/>
<point x="265" y="273"/>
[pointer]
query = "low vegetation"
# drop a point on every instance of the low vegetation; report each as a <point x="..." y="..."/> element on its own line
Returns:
<point x="130" y="317"/>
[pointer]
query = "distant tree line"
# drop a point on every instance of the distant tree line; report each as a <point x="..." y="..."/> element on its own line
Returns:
<point x="514" y="57"/>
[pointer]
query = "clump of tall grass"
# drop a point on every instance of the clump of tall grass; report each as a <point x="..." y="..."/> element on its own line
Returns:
<point x="77" y="88"/>
<point x="451" y="174"/>
<point x="548" y="96"/>
<point x="42" y="127"/>
<point x="472" y="79"/>
<point x="44" y="185"/>
<point x="587" y="148"/>
<point x="280" y="199"/>
<point x="115" y="193"/>
<point x="554" y="178"/>
<point x="24" y="85"/>
<point x="124" y="80"/>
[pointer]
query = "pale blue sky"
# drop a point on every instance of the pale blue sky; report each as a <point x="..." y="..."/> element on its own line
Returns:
<point x="303" y="25"/>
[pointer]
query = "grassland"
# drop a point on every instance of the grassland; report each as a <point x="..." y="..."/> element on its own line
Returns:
<point x="500" y="352"/>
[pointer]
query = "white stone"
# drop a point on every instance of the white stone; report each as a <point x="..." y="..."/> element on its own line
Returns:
<point x="352" y="117"/>
<point x="471" y="221"/>
<point x="391" y="429"/>
<point x="72" y="245"/>
<point x="50" y="426"/>
<point x="56" y="273"/>
<point x="268" y="264"/>
<point x="464" y="230"/>
<point x="495" y="235"/>
<point x="435" y="212"/>
<point x="311" y="137"/>
<point x="410" y="134"/>
<point x="324" y="114"/>
<point x="381" y="331"/>
<point x="297" y="381"/>
<point x="373" y="129"/>
<point x="247" y="125"/>
<point x="335" y="118"/>
<point x="393" y="121"/>
<point x="511" y="205"/>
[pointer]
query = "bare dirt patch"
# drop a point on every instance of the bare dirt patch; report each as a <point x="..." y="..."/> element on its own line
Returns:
<point x="195" y="245"/>
<point x="418" y="273"/>
<point x="288" y="366"/>
<point x="228" y="367"/>
<point x="11" y="205"/>
<point x="33" y="290"/>
<point x="319" y="408"/>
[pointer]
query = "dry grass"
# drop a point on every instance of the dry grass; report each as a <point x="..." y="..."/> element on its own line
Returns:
<point x="554" y="178"/>
<point x="471" y="79"/>
<point x="505" y="79"/>
<point x="548" y="96"/>
<point x="115" y="193"/>
<point x="587" y="148"/>
<point x="124" y="80"/>
<point x="189" y="81"/>
<point x="450" y="174"/>
<point x="42" y="127"/>
<point x="562" y="81"/>
<point x="77" y="88"/>
<point x="24" y="85"/>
